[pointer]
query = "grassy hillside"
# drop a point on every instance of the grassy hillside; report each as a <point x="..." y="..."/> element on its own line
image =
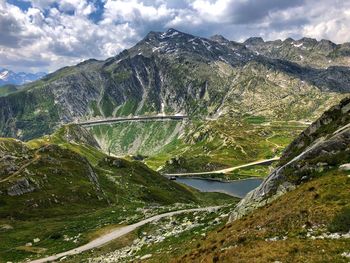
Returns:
<point x="144" y="138"/>
<point x="301" y="212"/>
<point x="7" y="89"/>
<point x="226" y="142"/>
<point x="306" y="225"/>
<point x="59" y="188"/>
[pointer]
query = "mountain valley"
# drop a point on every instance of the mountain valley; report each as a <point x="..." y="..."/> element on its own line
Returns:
<point x="64" y="184"/>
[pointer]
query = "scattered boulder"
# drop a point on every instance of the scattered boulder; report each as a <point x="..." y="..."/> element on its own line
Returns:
<point x="21" y="186"/>
<point x="345" y="167"/>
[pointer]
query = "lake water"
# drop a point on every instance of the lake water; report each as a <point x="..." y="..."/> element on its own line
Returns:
<point x="237" y="188"/>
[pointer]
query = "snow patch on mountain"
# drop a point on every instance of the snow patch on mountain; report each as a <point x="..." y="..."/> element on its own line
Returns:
<point x="9" y="77"/>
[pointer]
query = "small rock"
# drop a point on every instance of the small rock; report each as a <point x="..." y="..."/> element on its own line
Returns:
<point x="36" y="240"/>
<point x="345" y="167"/>
<point x="146" y="256"/>
<point x="29" y="244"/>
<point x="6" y="227"/>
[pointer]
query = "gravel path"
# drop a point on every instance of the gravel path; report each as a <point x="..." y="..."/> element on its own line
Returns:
<point x="118" y="233"/>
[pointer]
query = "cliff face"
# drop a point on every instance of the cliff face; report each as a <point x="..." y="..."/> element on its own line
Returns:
<point x="321" y="147"/>
<point x="173" y="72"/>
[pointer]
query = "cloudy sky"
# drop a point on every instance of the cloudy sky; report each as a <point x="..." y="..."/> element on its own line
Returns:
<point x="44" y="35"/>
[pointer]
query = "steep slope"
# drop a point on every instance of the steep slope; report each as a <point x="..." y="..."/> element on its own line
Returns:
<point x="309" y="224"/>
<point x="7" y="89"/>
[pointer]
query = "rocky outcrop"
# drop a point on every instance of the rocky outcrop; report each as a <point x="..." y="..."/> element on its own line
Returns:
<point x="322" y="146"/>
<point x="20" y="187"/>
<point x="77" y="134"/>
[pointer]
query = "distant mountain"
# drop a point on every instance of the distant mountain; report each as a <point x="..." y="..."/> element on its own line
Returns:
<point x="9" y="77"/>
<point x="305" y="51"/>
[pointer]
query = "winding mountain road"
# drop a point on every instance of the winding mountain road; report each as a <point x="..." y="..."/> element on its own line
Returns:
<point x="227" y="170"/>
<point x="121" y="231"/>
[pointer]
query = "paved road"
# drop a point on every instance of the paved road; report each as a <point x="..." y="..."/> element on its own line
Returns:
<point x="135" y="118"/>
<point x="227" y="170"/>
<point x="118" y="233"/>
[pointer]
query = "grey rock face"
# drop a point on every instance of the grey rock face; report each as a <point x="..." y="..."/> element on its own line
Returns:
<point x="21" y="186"/>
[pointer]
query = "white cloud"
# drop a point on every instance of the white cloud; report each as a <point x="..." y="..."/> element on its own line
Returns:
<point x="130" y="11"/>
<point x="52" y="34"/>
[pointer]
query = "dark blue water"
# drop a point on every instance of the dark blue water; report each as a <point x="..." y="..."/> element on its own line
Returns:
<point x="237" y="188"/>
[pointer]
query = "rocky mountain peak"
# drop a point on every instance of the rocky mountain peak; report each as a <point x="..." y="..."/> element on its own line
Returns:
<point x="254" y="41"/>
<point x="219" y="38"/>
<point x="308" y="40"/>
<point x="327" y="45"/>
<point x="289" y="40"/>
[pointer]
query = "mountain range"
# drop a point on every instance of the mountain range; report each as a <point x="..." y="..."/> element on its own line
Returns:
<point x="174" y="72"/>
<point x="10" y="77"/>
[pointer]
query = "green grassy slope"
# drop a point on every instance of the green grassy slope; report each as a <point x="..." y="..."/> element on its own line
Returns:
<point x="225" y="142"/>
<point x="68" y="189"/>
<point x="7" y="89"/>
<point x="297" y="227"/>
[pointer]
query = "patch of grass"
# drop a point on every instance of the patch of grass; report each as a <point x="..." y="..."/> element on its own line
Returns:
<point x="253" y="171"/>
<point x="341" y="222"/>
<point x="255" y="119"/>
